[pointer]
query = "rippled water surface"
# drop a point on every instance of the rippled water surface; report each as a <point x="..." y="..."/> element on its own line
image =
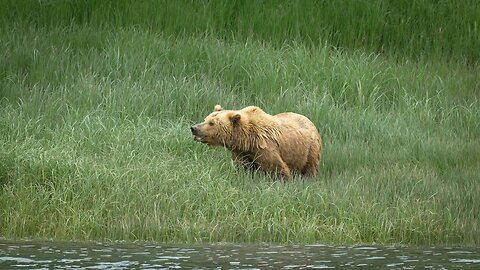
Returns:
<point x="71" y="255"/>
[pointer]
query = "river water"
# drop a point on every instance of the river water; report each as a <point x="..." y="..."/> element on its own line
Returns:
<point x="73" y="255"/>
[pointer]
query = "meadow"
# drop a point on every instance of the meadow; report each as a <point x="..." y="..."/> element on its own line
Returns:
<point x="95" y="115"/>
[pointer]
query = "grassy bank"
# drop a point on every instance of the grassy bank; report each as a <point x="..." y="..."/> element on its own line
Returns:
<point x="411" y="28"/>
<point x="95" y="142"/>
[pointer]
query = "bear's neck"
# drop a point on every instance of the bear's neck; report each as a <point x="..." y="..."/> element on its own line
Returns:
<point x="239" y="139"/>
<point x="248" y="138"/>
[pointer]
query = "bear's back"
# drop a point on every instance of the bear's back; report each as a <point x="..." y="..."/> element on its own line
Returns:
<point x="295" y="121"/>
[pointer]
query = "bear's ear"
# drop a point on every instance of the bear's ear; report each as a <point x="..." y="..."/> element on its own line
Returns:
<point x="251" y="109"/>
<point x="217" y="108"/>
<point x="235" y="118"/>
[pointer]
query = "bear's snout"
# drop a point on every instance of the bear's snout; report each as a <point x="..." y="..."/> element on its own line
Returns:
<point x="194" y="129"/>
<point x="196" y="132"/>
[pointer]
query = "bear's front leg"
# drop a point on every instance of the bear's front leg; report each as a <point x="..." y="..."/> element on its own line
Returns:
<point x="244" y="160"/>
<point x="272" y="162"/>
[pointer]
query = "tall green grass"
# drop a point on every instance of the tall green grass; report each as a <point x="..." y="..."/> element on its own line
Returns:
<point x="95" y="142"/>
<point x="419" y="28"/>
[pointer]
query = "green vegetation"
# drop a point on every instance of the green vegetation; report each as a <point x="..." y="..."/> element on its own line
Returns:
<point x="414" y="28"/>
<point x="95" y="115"/>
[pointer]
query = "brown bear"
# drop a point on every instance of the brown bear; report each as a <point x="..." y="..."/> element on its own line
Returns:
<point x="285" y="144"/>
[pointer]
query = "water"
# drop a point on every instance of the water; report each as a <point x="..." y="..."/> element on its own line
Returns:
<point x="72" y="255"/>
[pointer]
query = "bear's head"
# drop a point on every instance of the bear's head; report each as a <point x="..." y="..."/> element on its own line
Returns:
<point x="217" y="128"/>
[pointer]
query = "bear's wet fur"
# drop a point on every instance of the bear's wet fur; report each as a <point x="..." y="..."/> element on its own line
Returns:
<point x="285" y="144"/>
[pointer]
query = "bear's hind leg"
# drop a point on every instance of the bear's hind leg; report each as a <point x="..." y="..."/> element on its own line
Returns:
<point x="313" y="161"/>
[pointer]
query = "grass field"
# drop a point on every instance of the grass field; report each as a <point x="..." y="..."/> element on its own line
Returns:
<point x="95" y="116"/>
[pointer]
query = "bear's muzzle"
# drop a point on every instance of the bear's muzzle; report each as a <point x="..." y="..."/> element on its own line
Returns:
<point x="196" y="133"/>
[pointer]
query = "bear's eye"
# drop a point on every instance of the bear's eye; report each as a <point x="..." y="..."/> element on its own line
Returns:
<point x="211" y="123"/>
